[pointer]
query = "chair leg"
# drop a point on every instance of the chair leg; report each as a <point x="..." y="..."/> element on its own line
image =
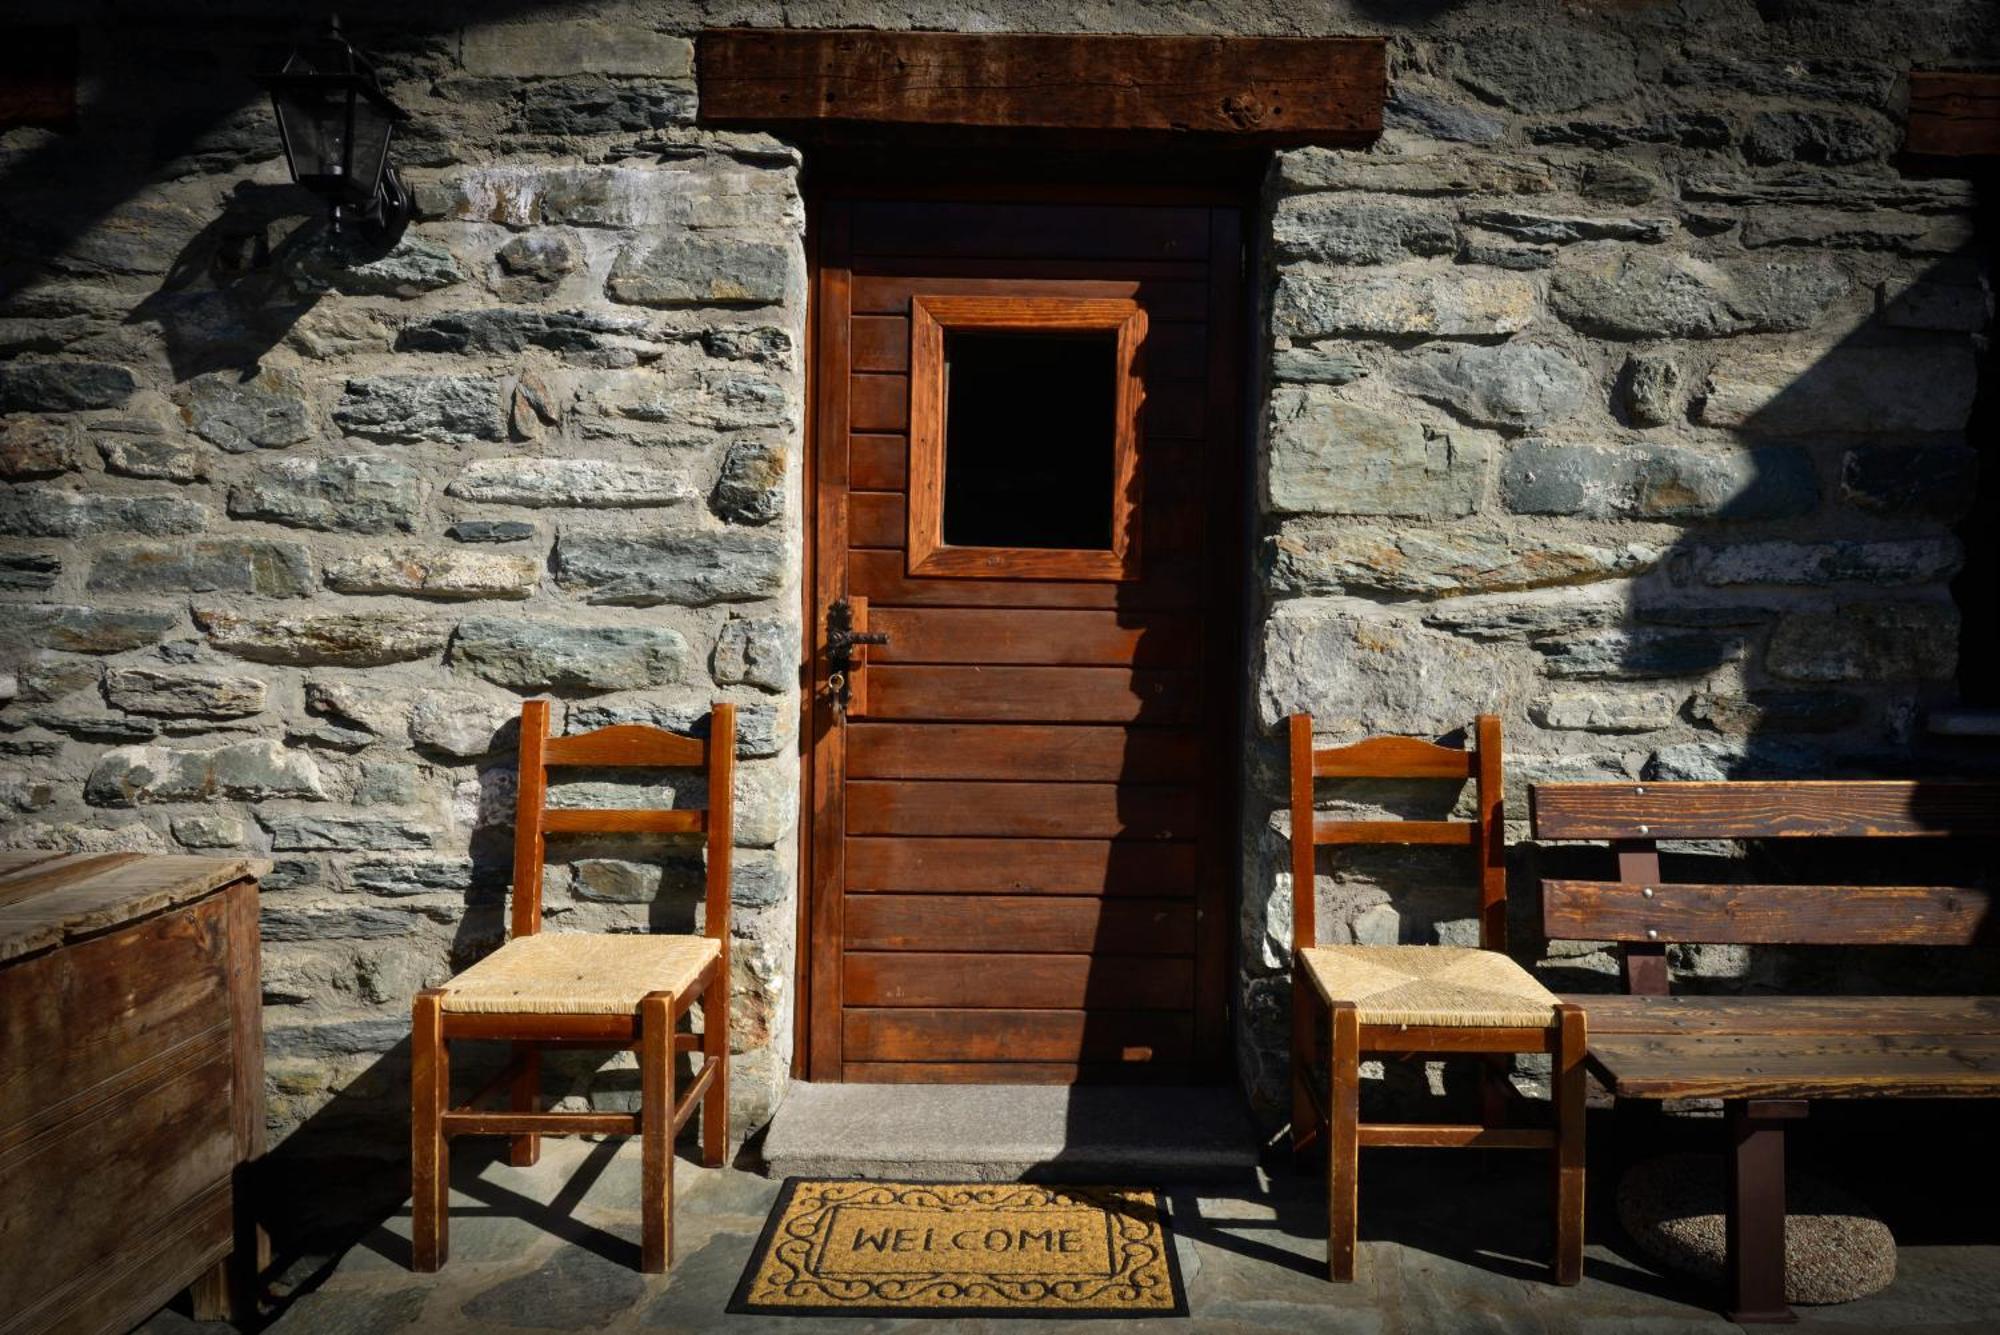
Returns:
<point x="1343" y="1143"/>
<point x="656" y="1130"/>
<point x="1568" y="1090"/>
<point x="430" y="1155"/>
<point x="524" y="1151"/>
<point x="715" y="1048"/>
<point x="1305" y="1115"/>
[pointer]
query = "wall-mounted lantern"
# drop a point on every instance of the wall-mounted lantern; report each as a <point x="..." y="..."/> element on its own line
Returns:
<point x="336" y="123"/>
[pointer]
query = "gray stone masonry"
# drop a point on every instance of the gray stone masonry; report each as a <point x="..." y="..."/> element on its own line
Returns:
<point x="1620" y="388"/>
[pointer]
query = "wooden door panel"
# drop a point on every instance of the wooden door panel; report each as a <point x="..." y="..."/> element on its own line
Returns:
<point x="1048" y="639"/>
<point x="1061" y="753"/>
<point x="1019" y="851"/>
<point x="1152" y="869"/>
<point x="1023" y="810"/>
<point x="1041" y="231"/>
<point x="878" y="402"/>
<point x="878" y="462"/>
<point x="882" y="343"/>
<point x="1157" y="697"/>
<point x="1164" y="299"/>
<point x="879" y="577"/>
<point x="1018" y="1035"/>
<point x="1033" y="982"/>
<point x="1020" y="923"/>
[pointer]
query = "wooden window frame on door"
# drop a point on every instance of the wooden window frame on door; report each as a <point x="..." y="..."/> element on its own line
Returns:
<point x="931" y="317"/>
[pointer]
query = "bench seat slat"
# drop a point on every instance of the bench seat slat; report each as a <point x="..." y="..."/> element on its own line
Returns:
<point x="1749" y="809"/>
<point x="1680" y="1066"/>
<point x="1805" y="915"/>
<point x="1620" y="1016"/>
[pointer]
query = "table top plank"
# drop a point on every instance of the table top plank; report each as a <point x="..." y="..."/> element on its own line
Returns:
<point x="1620" y="1015"/>
<point x="1726" y="1066"/>
<point x="59" y="899"/>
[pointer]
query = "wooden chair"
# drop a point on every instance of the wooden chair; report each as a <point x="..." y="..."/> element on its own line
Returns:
<point x="1416" y="999"/>
<point x="585" y="991"/>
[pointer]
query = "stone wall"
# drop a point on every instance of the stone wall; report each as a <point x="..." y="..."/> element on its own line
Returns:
<point x="1620" y="389"/>
<point x="292" y="525"/>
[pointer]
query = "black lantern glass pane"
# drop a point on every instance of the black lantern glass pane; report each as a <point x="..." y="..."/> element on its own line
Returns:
<point x="314" y="121"/>
<point x="369" y="148"/>
<point x="1030" y="425"/>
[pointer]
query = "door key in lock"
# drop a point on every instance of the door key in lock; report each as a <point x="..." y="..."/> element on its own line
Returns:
<point x="843" y="635"/>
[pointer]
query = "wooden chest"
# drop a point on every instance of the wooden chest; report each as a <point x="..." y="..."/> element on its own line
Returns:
<point x="131" y="1083"/>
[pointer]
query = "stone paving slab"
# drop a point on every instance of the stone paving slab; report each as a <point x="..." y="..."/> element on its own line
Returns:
<point x="555" y="1248"/>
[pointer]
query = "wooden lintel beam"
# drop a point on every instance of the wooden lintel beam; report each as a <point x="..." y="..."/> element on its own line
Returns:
<point x="1954" y="113"/>
<point x="1262" y="89"/>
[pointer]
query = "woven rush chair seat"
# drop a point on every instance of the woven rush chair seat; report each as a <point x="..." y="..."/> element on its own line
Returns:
<point x="1431" y="985"/>
<point x="573" y="973"/>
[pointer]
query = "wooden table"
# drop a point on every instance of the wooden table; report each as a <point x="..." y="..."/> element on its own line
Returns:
<point x="131" y="1085"/>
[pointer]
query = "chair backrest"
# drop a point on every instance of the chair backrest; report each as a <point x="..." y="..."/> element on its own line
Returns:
<point x="1644" y="913"/>
<point x="623" y="745"/>
<point x="1402" y="758"/>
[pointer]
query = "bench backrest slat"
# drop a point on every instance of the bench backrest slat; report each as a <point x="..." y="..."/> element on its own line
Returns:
<point x="1885" y="808"/>
<point x="1807" y="915"/>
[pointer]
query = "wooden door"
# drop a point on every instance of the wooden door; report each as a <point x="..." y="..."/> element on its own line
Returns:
<point x="1022" y="803"/>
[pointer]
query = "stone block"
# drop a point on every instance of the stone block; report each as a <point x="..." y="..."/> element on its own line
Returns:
<point x="541" y="257"/>
<point x="685" y="269"/>
<point x="594" y="483"/>
<point x="29" y="572"/>
<point x="492" y="530"/>
<point x="1866" y="642"/>
<point x="762" y="729"/>
<point x="247" y="771"/>
<point x="1959" y="308"/>
<point x="1653" y="387"/>
<point x="1314" y="364"/>
<point x="574" y="45"/>
<point x="508" y="329"/>
<point x="206" y="831"/>
<point x="1457" y="172"/>
<point x="268" y="411"/>
<point x="386" y="783"/>
<point x="1616" y="181"/>
<point x="536" y="655"/>
<point x="1561" y="230"/>
<point x="422" y="408"/>
<point x="1315" y="302"/>
<point x="460" y="723"/>
<point x="1854" y="80"/>
<point x="266" y="568"/>
<point x="1525" y="68"/>
<point x="434" y="572"/>
<point x="1422" y="113"/>
<point x="1920" y="481"/>
<point x="157" y="460"/>
<point x="1791" y="392"/>
<point x="43" y="676"/>
<point x="43" y="512"/>
<point x="692" y="570"/>
<point x="1682" y="129"/>
<point x="751" y="486"/>
<point x="352" y="493"/>
<point x="589" y="105"/>
<point x="1891" y="561"/>
<point x="1606" y="712"/>
<point x="1646" y="481"/>
<point x="35" y="448"/>
<point x="313" y="639"/>
<point x="1638" y="655"/>
<point x="1359" y="673"/>
<point x="184" y="692"/>
<point x="1332" y="457"/>
<point x="339" y="832"/>
<point x="1903" y="233"/>
<point x="88" y="630"/>
<point x="760" y="652"/>
<point x="1768" y="711"/>
<point x="1618" y="292"/>
<point x="1508" y="385"/>
<point x="1338" y="229"/>
<point x="1533" y="615"/>
<point x="1828" y="138"/>
<point x="357" y="705"/>
<point x="1307" y="556"/>
<point x="1747" y="758"/>
<point x="63" y="387"/>
<point x="414" y="265"/>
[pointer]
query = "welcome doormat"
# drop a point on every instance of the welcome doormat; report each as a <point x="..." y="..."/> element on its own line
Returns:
<point x="935" y="1249"/>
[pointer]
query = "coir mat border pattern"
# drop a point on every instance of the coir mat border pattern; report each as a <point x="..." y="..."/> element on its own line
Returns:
<point x="786" y="1275"/>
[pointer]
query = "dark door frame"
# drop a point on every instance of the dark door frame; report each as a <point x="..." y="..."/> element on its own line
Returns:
<point x="1007" y="170"/>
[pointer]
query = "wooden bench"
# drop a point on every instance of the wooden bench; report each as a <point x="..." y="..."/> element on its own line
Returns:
<point x="1766" y="1056"/>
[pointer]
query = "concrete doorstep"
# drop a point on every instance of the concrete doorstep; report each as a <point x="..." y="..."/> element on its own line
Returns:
<point x="1003" y="1133"/>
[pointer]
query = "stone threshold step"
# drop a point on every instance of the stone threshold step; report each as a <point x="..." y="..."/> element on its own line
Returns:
<point x="1125" y="1135"/>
